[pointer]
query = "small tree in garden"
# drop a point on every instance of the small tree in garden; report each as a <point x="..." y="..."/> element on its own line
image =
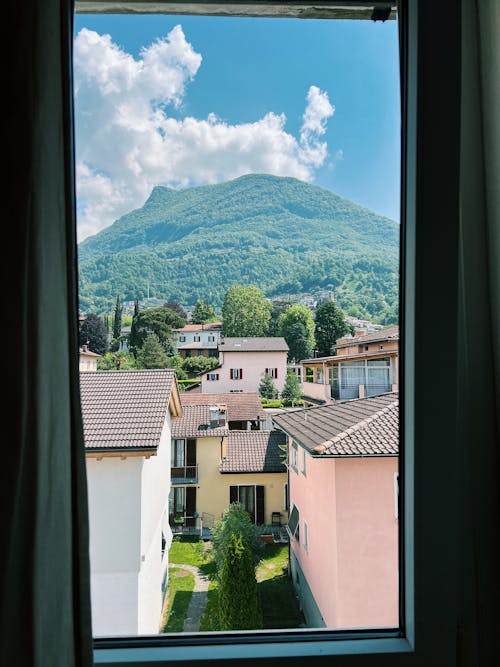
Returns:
<point x="235" y="520"/>
<point x="239" y="599"/>
<point x="267" y="388"/>
<point x="152" y="354"/>
<point x="292" y="391"/>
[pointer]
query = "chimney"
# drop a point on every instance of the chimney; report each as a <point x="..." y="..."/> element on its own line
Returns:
<point x="218" y="415"/>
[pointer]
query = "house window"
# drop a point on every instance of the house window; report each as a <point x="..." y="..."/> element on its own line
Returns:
<point x="304" y="462"/>
<point x="211" y="339"/>
<point x="286" y="501"/>
<point x="319" y="375"/>
<point x="294" y="456"/>
<point x="309" y="374"/>
<point x="236" y="374"/>
<point x="293" y="523"/>
<point x="212" y="377"/>
<point x="305" y="537"/>
<point x="272" y="372"/>
<point x="196" y="338"/>
<point x="251" y="498"/>
<point x="182" y="339"/>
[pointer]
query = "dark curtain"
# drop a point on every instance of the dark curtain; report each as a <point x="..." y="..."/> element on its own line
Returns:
<point x="45" y="607"/>
<point x="479" y="331"/>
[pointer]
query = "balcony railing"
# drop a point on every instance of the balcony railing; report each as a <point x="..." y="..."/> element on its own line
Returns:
<point x="184" y="474"/>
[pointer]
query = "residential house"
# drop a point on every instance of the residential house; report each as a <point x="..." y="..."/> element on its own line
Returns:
<point x="212" y="464"/>
<point x="343" y="526"/>
<point x="363" y="365"/>
<point x="243" y="362"/>
<point x="127" y="419"/>
<point x="197" y="340"/>
<point x="88" y="359"/>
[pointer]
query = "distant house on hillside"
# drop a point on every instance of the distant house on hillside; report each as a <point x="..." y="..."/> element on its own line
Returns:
<point x="214" y="464"/>
<point x="196" y="340"/>
<point x="88" y="359"/>
<point x="343" y="525"/>
<point x="363" y="365"/>
<point x="127" y="420"/>
<point x="243" y="362"/>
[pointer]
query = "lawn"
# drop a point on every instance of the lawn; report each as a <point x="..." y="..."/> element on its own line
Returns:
<point x="179" y="591"/>
<point x="187" y="550"/>
<point x="279" y="604"/>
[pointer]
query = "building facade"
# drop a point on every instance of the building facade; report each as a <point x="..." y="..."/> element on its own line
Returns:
<point x="243" y="362"/>
<point x="198" y="340"/>
<point x="127" y="417"/>
<point x="343" y="526"/>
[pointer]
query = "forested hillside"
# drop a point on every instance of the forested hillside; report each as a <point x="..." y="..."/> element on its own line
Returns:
<point x="281" y="234"/>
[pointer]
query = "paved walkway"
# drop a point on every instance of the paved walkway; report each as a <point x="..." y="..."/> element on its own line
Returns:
<point x="198" y="598"/>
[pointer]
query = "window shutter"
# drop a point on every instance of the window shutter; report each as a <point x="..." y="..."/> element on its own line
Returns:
<point x="190" y="505"/>
<point x="191" y="452"/>
<point x="259" y="516"/>
<point x="233" y="494"/>
<point x="241" y="373"/>
<point x="208" y="376"/>
<point x="216" y="376"/>
<point x="267" y="371"/>
<point x="276" y="373"/>
<point x="231" y="374"/>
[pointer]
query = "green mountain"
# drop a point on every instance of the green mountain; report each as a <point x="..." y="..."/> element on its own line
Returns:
<point x="281" y="234"/>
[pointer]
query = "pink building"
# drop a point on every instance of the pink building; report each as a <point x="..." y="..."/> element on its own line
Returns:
<point x="244" y="362"/>
<point x="343" y="526"/>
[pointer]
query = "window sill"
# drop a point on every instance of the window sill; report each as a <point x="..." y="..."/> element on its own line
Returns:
<point x="199" y="649"/>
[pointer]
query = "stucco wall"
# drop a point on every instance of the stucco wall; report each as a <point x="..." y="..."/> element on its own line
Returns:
<point x="351" y="561"/>
<point x="253" y="364"/>
<point x="114" y="492"/>
<point x="212" y="494"/>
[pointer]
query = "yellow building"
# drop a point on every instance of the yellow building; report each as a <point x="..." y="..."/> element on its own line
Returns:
<point x="213" y="465"/>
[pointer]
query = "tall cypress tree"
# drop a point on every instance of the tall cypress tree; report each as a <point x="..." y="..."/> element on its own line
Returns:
<point x="132" y="339"/>
<point x="117" y="321"/>
<point x="239" y="598"/>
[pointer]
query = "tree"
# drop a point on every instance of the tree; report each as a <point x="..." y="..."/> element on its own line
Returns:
<point x="239" y="599"/>
<point x="234" y="520"/>
<point x="132" y="338"/>
<point x="199" y="365"/>
<point x="159" y="321"/>
<point x="267" y="388"/>
<point x="203" y="313"/>
<point x="113" y="361"/>
<point x="93" y="334"/>
<point x="152" y="354"/>
<point x="278" y="308"/>
<point x="177" y="308"/>
<point x="330" y="326"/>
<point x="117" y="319"/>
<point x="300" y="341"/>
<point x="292" y="391"/>
<point x="245" y="312"/>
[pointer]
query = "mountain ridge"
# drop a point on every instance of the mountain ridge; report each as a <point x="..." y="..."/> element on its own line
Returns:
<point x="279" y="233"/>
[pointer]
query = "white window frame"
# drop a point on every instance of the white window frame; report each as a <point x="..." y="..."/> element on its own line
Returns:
<point x="428" y="519"/>
<point x="304" y="462"/>
<point x="305" y="539"/>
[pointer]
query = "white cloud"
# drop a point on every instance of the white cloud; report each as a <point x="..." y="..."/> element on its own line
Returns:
<point x="127" y="143"/>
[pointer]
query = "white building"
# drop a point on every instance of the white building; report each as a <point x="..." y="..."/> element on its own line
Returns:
<point x="196" y="340"/>
<point x="243" y="362"/>
<point x="88" y="359"/>
<point x="127" y="428"/>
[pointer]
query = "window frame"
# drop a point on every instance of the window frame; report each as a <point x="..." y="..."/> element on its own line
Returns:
<point x="430" y="187"/>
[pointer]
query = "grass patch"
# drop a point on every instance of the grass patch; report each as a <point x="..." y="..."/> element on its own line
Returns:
<point x="274" y="562"/>
<point x="187" y="550"/>
<point x="209" y="620"/>
<point x="279" y="605"/>
<point x="179" y="592"/>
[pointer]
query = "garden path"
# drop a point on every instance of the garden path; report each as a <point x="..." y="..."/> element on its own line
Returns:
<point x="198" y="598"/>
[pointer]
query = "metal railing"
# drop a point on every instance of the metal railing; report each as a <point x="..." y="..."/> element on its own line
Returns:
<point x="184" y="474"/>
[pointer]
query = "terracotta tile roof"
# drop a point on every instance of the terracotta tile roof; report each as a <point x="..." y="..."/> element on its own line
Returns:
<point x="254" y="451"/>
<point x="195" y="423"/>
<point x="198" y="345"/>
<point x="240" y="407"/>
<point x="257" y="344"/>
<point x="125" y="409"/>
<point x="360" y="427"/>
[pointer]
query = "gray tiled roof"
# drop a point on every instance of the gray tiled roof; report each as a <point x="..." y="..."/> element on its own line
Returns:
<point x="124" y="409"/>
<point x="391" y="333"/>
<point x="195" y="422"/>
<point x="257" y="344"/>
<point x="240" y="406"/>
<point x="254" y="451"/>
<point x="360" y="427"/>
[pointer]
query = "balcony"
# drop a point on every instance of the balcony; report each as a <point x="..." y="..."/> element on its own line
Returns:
<point x="184" y="474"/>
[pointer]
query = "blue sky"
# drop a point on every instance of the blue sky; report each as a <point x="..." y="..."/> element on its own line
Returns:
<point x="233" y="85"/>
